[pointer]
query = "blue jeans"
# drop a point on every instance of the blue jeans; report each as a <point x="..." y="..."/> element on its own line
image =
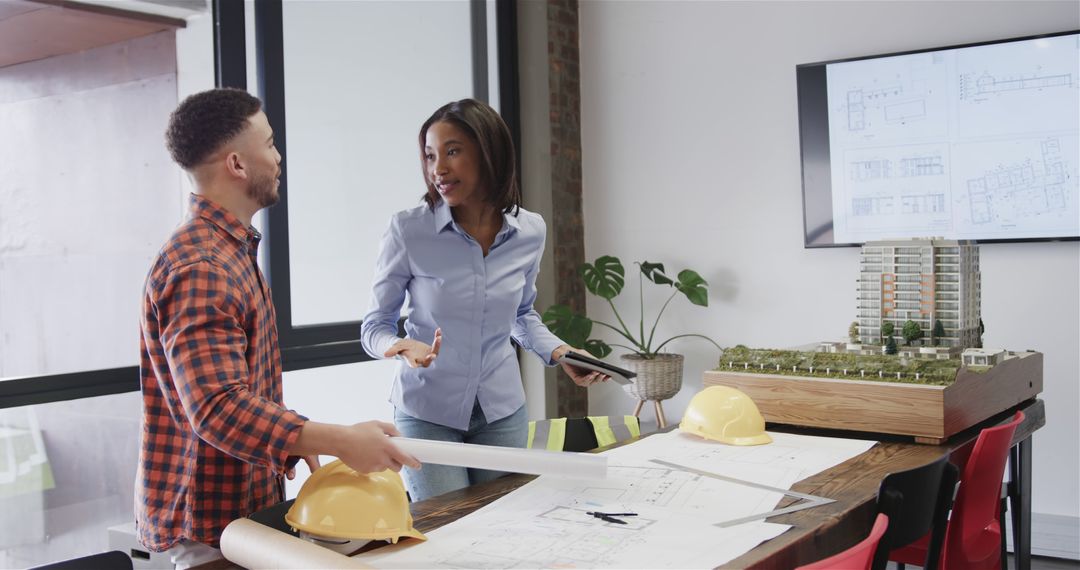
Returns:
<point x="511" y="431"/>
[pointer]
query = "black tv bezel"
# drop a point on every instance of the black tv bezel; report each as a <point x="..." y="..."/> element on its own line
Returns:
<point x="811" y="90"/>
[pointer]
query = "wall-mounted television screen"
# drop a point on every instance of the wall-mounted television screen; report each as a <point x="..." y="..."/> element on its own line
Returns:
<point x="977" y="142"/>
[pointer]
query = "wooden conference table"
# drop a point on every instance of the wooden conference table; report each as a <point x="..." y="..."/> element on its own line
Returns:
<point x="819" y="531"/>
<point x="816" y="532"/>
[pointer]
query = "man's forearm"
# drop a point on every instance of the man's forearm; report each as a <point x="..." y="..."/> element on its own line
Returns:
<point x="318" y="439"/>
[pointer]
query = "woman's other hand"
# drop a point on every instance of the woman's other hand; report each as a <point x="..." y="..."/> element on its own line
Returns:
<point x="581" y="376"/>
<point x="415" y="353"/>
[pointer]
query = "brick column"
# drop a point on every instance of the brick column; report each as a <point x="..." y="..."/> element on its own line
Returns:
<point x="567" y="227"/>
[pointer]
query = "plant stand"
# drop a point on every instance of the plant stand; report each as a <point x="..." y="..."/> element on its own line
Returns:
<point x="658" y="379"/>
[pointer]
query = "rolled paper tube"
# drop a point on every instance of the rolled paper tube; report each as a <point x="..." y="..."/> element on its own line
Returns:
<point x="512" y="459"/>
<point x="252" y="545"/>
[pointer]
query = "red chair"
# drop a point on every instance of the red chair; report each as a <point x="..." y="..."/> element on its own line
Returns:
<point x="858" y="557"/>
<point x="974" y="535"/>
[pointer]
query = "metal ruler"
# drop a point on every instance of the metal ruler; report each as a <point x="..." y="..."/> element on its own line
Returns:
<point x="811" y="501"/>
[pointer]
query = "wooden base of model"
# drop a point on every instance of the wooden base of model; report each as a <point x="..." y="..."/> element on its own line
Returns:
<point x="929" y="413"/>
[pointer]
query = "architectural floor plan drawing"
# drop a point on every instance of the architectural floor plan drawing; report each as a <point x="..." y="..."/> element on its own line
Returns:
<point x="545" y="524"/>
<point x="970" y="143"/>
<point x="1037" y="190"/>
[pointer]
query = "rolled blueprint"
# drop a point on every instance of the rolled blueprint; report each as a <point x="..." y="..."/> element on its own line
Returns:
<point x="252" y="545"/>
<point x="515" y="460"/>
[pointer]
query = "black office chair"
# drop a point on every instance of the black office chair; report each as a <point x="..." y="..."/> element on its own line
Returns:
<point x="112" y="560"/>
<point x="917" y="502"/>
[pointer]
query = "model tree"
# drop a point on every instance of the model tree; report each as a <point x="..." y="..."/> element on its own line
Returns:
<point x="887" y="329"/>
<point x="937" y="333"/>
<point x="911" y="332"/>
<point x="853" y="332"/>
<point x="890" y="345"/>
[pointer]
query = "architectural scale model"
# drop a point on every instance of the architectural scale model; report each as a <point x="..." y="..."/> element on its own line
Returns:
<point x="918" y="301"/>
<point x="913" y="363"/>
<point x="934" y="283"/>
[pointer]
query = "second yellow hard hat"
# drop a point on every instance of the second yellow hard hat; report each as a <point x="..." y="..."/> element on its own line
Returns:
<point x="725" y="414"/>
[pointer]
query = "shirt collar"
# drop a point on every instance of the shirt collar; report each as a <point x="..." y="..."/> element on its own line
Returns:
<point x="203" y="207"/>
<point x="444" y="219"/>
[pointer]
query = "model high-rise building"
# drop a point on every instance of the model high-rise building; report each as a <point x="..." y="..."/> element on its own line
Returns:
<point x="921" y="280"/>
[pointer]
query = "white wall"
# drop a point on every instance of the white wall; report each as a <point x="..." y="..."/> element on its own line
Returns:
<point x="691" y="158"/>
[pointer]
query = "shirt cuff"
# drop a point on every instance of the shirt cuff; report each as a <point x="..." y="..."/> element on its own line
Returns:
<point x="543" y="347"/>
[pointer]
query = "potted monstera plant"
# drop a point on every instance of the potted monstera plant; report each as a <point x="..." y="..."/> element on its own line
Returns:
<point x="659" y="374"/>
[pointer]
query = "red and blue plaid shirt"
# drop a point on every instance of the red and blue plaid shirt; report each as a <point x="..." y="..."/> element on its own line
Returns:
<point x="214" y="431"/>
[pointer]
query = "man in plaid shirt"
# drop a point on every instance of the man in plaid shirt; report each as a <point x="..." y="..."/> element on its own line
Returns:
<point x="216" y="439"/>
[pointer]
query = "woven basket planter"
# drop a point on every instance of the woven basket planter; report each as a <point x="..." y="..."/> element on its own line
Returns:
<point x="657" y="379"/>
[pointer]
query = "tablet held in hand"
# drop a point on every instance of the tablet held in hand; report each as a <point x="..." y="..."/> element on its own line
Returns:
<point x="620" y="375"/>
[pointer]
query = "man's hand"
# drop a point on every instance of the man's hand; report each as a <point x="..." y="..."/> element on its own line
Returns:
<point x="415" y="353"/>
<point x="581" y="376"/>
<point x="312" y="463"/>
<point x="366" y="448"/>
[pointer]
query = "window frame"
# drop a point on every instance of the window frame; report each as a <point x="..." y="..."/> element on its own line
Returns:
<point x="306" y="346"/>
<point x="329" y="344"/>
<point x="228" y="20"/>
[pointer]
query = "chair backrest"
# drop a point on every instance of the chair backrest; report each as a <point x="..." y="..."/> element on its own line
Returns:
<point x="974" y="533"/>
<point x="858" y="557"/>
<point x="112" y="560"/>
<point x="917" y="502"/>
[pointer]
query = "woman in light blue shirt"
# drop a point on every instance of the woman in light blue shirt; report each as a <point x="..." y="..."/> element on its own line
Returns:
<point x="468" y="259"/>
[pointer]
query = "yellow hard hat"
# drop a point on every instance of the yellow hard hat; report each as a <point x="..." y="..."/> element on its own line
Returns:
<point x="727" y="415"/>
<point x="336" y="502"/>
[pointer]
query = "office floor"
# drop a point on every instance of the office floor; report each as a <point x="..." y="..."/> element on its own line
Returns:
<point x="1037" y="563"/>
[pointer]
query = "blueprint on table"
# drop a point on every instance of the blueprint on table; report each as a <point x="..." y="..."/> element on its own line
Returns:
<point x="544" y="523"/>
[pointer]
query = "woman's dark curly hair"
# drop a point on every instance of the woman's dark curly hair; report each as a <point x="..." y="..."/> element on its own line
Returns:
<point x="205" y="121"/>
<point x="498" y="168"/>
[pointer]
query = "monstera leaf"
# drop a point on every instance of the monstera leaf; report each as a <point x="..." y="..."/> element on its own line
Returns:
<point x="694" y="287"/>
<point x="604" y="279"/>
<point x="597" y="348"/>
<point x="655" y="272"/>
<point x="563" y="323"/>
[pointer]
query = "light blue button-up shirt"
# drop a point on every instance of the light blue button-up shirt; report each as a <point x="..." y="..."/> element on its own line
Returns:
<point x="479" y="302"/>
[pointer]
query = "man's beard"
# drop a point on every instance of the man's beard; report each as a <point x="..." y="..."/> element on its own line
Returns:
<point x="263" y="190"/>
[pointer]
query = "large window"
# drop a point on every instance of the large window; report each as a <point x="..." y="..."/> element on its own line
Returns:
<point x="82" y="147"/>
<point x="347" y="86"/>
<point x="88" y="194"/>
<point x="67" y="474"/>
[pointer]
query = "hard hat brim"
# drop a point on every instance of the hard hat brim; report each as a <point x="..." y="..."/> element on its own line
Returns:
<point x="757" y="439"/>
<point x="760" y="439"/>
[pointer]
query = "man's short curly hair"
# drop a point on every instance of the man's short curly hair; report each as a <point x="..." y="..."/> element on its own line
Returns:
<point x="205" y="121"/>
